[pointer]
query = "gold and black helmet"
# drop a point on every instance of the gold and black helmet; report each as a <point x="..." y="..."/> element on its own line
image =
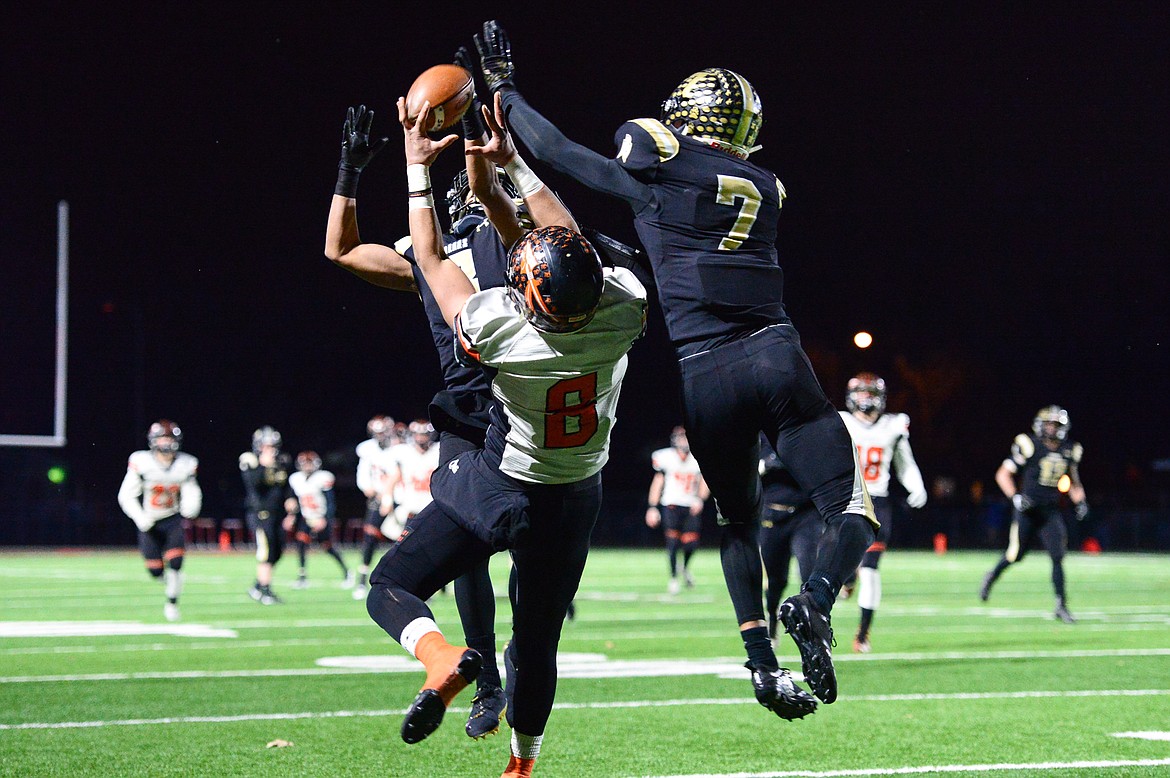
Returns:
<point x="717" y="106"/>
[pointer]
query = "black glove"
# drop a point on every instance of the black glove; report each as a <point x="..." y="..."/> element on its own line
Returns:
<point x="495" y="57"/>
<point x="356" y="151"/>
<point x="1082" y="510"/>
<point x="473" y="127"/>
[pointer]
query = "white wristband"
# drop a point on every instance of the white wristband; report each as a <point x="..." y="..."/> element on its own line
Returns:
<point x="418" y="178"/>
<point x="527" y="182"/>
<point x="421" y="201"/>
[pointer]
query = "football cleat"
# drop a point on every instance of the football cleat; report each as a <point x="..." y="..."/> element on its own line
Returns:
<point x="171" y="611"/>
<point x="349" y="580"/>
<point x="810" y="630"/>
<point x="985" y="588"/>
<point x="302" y="582"/>
<point x="256" y="592"/>
<point x="688" y="579"/>
<point x="519" y="768"/>
<point x="673" y="587"/>
<point x="861" y="645"/>
<point x="777" y="692"/>
<point x="1063" y="614"/>
<point x="487" y="706"/>
<point x="359" y="592"/>
<point x="425" y="714"/>
<point x="268" y="597"/>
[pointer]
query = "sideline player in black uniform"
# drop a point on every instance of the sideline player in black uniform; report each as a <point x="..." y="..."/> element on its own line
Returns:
<point x="268" y="499"/>
<point x="707" y="218"/>
<point x="789" y="527"/>
<point x="484" y="219"/>
<point x="1040" y="462"/>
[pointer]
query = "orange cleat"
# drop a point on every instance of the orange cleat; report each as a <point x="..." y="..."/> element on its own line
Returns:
<point x="450" y="669"/>
<point x="519" y="768"/>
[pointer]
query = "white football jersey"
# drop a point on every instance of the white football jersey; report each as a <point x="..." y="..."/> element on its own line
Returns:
<point x="882" y="444"/>
<point x="681" y="477"/>
<point x="152" y="491"/>
<point x="375" y="466"/>
<point x="558" y="391"/>
<point x="414" y="490"/>
<point x="310" y="491"/>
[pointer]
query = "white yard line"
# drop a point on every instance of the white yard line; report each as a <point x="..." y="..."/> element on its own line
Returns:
<point x="632" y="704"/>
<point x="1104" y="764"/>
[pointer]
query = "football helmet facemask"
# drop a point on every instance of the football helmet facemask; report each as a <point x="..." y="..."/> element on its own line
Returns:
<point x="381" y="429"/>
<point x="554" y="276"/>
<point x="719" y="107"/>
<point x="265" y="436"/>
<point x="678" y="440"/>
<point x="161" y="429"/>
<point x="866" y="393"/>
<point x="423" y="433"/>
<point x="308" y="462"/>
<point x="1054" y="415"/>
<point x="461" y="203"/>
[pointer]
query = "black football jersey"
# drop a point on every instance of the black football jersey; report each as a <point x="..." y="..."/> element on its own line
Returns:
<point x="1041" y="469"/>
<point x="709" y="230"/>
<point x="480" y="254"/>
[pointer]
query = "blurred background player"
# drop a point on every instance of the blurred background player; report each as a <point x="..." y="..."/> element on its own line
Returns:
<point x="375" y="469"/>
<point x="707" y="218"/>
<point x="417" y="458"/>
<point x="789" y="527"/>
<point x="883" y="443"/>
<point x="677" y="494"/>
<point x="268" y="499"/>
<point x="1041" y="466"/>
<point x="159" y="491"/>
<point x="317" y="508"/>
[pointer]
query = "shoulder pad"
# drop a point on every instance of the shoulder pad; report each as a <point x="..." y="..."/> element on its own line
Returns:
<point x="248" y="461"/>
<point x="903" y="422"/>
<point x="1024" y="445"/>
<point x="664" y="140"/>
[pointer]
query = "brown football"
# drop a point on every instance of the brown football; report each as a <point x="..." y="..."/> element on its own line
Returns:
<point x="448" y="88"/>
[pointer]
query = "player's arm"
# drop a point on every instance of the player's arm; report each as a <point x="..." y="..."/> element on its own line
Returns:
<point x="190" y="497"/>
<point x="547" y="143"/>
<point x="372" y="262"/>
<point x="908" y="473"/>
<point x="447" y="282"/>
<point x="545" y="208"/>
<point x="704" y="495"/>
<point x="130" y="498"/>
<point x="1023" y="448"/>
<point x="653" y="514"/>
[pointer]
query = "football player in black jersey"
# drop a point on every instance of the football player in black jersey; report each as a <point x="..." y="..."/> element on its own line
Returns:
<point x="1042" y="465"/>
<point x="485" y="219"/>
<point x="707" y="218"/>
<point x="268" y="499"/>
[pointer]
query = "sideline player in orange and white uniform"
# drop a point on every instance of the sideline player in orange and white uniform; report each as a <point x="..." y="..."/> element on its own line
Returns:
<point x="159" y="491"/>
<point x="677" y="495"/>
<point x="883" y="446"/>
<point x="416" y="460"/>
<point x="316" y="508"/>
<point x="376" y="470"/>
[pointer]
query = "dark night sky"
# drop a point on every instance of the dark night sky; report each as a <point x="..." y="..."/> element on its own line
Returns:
<point x="981" y="185"/>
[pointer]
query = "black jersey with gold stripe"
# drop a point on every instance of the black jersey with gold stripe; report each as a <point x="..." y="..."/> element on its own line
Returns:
<point x="1041" y="469"/>
<point x="709" y="230"/>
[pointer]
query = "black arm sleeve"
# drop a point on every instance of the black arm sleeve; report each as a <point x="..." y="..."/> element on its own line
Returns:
<point x="550" y="146"/>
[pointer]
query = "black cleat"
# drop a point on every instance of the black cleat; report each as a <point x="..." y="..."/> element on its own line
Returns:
<point x="425" y="714"/>
<point x="812" y="634"/>
<point x="985" y="589"/>
<point x="777" y="692"/>
<point x="488" y="704"/>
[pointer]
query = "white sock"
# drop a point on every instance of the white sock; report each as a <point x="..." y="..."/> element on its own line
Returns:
<point x="870" y="595"/>
<point x="174" y="583"/>
<point x="414" y="631"/>
<point x="526" y="746"/>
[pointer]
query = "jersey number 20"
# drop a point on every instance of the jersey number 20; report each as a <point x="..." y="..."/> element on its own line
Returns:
<point x="571" y="412"/>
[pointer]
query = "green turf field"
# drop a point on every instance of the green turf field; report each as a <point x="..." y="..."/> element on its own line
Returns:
<point x="651" y="685"/>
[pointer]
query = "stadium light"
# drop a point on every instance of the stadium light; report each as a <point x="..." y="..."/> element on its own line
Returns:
<point x="863" y="339"/>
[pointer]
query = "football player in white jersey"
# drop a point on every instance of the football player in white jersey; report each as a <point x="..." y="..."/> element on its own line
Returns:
<point x="316" y="511"/>
<point x="883" y="445"/>
<point x="677" y="495"/>
<point x="416" y="460"/>
<point x="159" y="491"/>
<point x="556" y="337"/>
<point x="375" y="470"/>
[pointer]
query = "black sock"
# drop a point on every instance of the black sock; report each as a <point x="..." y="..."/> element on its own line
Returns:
<point x="486" y="646"/>
<point x="759" y="648"/>
<point x="866" y="620"/>
<point x="841" y="547"/>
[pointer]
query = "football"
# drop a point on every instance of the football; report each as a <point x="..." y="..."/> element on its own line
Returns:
<point x="449" y="89"/>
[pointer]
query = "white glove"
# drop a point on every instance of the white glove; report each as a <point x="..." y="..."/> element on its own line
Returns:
<point x="916" y="499"/>
<point x="1020" y="502"/>
<point x="144" y="524"/>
